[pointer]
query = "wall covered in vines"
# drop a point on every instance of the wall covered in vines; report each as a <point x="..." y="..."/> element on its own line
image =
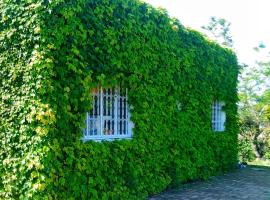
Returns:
<point x="52" y="53"/>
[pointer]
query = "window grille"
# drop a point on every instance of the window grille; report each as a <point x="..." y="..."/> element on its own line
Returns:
<point x="218" y="116"/>
<point x="110" y="115"/>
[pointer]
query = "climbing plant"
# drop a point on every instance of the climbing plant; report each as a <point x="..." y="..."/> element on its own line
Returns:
<point x="52" y="53"/>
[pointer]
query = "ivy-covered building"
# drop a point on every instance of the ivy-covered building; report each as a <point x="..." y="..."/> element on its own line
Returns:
<point x="109" y="99"/>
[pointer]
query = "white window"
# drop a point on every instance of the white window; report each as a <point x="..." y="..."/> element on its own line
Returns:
<point x="110" y="116"/>
<point x="218" y="116"/>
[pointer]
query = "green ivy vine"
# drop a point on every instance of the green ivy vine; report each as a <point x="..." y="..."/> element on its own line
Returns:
<point x="53" y="52"/>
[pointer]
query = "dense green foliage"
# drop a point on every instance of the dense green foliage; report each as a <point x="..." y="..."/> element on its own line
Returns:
<point x="254" y="107"/>
<point x="254" y="137"/>
<point x="53" y="52"/>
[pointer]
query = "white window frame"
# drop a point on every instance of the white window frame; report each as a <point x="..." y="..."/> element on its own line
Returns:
<point x="109" y="118"/>
<point x="218" y="116"/>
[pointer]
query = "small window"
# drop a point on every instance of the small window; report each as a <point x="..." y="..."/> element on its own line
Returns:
<point x="218" y="116"/>
<point x="110" y="115"/>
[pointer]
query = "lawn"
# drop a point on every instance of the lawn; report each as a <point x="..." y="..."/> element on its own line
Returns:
<point x="260" y="162"/>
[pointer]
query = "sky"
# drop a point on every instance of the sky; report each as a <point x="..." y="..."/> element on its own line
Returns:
<point x="250" y="21"/>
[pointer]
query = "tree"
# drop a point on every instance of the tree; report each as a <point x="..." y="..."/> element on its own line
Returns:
<point x="219" y="28"/>
<point x="254" y="110"/>
<point x="254" y="123"/>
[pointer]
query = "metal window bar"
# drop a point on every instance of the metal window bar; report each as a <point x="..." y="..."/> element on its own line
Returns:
<point x="116" y="110"/>
<point x="214" y="115"/>
<point x="109" y="117"/>
<point x="126" y="113"/>
<point x="101" y="111"/>
<point x="217" y="116"/>
<point x="119" y="105"/>
<point x="122" y="115"/>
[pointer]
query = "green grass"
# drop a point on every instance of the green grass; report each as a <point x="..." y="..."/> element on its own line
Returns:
<point x="260" y="162"/>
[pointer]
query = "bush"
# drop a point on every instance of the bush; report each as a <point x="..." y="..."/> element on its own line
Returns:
<point x="246" y="152"/>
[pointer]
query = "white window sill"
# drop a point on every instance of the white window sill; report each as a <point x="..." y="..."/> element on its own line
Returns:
<point x="105" y="137"/>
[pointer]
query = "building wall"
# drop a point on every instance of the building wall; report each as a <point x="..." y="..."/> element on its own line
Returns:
<point x="79" y="45"/>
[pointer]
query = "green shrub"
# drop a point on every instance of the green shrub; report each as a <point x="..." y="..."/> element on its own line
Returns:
<point x="53" y="52"/>
<point x="246" y="153"/>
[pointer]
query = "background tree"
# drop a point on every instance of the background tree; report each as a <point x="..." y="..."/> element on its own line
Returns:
<point x="254" y="95"/>
<point x="219" y="28"/>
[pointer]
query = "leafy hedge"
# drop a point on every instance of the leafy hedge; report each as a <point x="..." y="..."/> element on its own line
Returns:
<point x="53" y="52"/>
